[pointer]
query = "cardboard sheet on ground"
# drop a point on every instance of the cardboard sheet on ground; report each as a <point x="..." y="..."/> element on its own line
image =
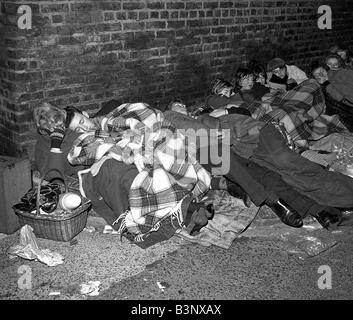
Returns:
<point x="28" y="249"/>
<point x="231" y="218"/>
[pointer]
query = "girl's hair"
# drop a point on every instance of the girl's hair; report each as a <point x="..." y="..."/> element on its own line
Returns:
<point x="340" y="47"/>
<point x="70" y="112"/>
<point x="334" y="56"/>
<point x="257" y="70"/>
<point x="317" y="64"/>
<point x="219" y="84"/>
<point x="47" y="117"/>
<point x="241" y="74"/>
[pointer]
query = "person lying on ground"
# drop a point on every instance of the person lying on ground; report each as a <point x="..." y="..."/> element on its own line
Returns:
<point x="264" y="186"/>
<point x="183" y="182"/>
<point x="333" y="62"/>
<point x="284" y="77"/>
<point x="344" y="53"/>
<point x="222" y="96"/>
<point x="250" y="88"/>
<point x="338" y="93"/>
<point x="338" y="83"/>
<point x="260" y="88"/>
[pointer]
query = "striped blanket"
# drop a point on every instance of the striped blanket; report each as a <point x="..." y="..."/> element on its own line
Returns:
<point x="301" y="111"/>
<point x="168" y="170"/>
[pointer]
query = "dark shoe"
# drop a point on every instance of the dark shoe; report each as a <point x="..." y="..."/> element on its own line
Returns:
<point x="346" y="219"/>
<point x="327" y="219"/>
<point x="237" y="192"/>
<point x="197" y="217"/>
<point x="287" y="215"/>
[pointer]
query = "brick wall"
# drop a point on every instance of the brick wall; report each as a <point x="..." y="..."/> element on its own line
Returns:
<point x="84" y="53"/>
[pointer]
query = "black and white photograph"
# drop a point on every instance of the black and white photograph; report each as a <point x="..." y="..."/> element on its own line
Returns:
<point x="178" y="157"/>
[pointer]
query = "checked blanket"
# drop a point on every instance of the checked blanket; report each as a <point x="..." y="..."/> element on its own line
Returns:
<point x="168" y="170"/>
<point x="301" y="111"/>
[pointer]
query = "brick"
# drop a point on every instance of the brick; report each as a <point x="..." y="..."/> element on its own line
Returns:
<point x="154" y="14"/>
<point x="176" y="5"/>
<point x="156" y="5"/>
<point x="57" y="18"/>
<point x="133" y="26"/>
<point x="176" y="24"/>
<point x="112" y="46"/>
<point x="133" y="6"/>
<point x="49" y="8"/>
<point x="210" y="5"/>
<point x="193" y="5"/>
<point x="143" y="15"/>
<point x="156" y="25"/>
<point x="132" y="15"/>
<point x="111" y="6"/>
<point x="108" y="16"/>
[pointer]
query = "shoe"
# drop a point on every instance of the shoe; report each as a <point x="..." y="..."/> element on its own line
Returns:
<point x="327" y="219"/>
<point x="346" y="219"/>
<point x="197" y="217"/>
<point x="287" y="215"/>
<point x="236" y="191"/>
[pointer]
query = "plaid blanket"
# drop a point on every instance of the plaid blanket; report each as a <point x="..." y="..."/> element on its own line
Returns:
<point x="168" y="170"/>
<point x="301" y="111"/>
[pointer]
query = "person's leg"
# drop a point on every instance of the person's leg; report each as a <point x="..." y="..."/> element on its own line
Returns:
<point x="327" y="216"/>
<point x="239" y="175"/>
<point x="259" y="194"/>
<point x="324" y="187"/>
<point x="98" y="204"/>
<point x="272" y="180"/>
<point x="114" y="181"/>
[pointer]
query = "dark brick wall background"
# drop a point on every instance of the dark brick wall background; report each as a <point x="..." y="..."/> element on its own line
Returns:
<point x="84" y="53"/>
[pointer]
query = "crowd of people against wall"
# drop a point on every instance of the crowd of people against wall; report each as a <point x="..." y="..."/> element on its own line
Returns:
<point x="273" y="112"/>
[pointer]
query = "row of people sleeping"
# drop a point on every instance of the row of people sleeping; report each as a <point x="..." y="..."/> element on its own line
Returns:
<point x="142" y="167"/>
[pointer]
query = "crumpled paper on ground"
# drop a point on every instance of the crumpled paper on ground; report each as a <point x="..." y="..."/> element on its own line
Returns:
<point x="308" y="244"/>
<point x="28" y="249"/>
<point x="230" y="220"/>
<point x="91" y="288"/>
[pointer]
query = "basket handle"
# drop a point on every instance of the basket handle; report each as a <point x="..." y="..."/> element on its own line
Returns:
<point x="40" y="185"/>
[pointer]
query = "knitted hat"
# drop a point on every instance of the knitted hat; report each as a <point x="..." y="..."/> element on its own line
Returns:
<point x="275" y="63"/>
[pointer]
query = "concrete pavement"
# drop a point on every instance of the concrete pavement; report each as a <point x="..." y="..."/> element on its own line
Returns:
<point x="268" y="261"/>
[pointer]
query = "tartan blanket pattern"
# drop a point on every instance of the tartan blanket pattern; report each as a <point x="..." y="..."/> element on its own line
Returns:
<point x="302" y="112"/>
<point x="168" y="169"/>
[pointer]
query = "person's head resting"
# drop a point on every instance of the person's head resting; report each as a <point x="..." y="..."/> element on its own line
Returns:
<point x="318" y="70"/>
<point x="78" y="121"/>
<point x="48" y="117"/>
<point x="342" y="51"/>
<point x="277" y="66"/>
<point x="333" y="61"/>
<point x="222" y="87"/>
<point x="259" y="73"/>
<point x="244" y="79"/>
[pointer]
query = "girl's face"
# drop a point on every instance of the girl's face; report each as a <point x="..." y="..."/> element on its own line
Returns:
<point x="280" y="72"/>
<point x="247" y="82"/>
<point x="333" y="63"/>
<point x="226" y="91"/>
<point x="80" y="123"/>
<point x="261" y="79"/>
<point x="320" y="74"/>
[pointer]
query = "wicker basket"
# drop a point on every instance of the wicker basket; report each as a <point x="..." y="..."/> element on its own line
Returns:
<point x="56" y="227"/>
